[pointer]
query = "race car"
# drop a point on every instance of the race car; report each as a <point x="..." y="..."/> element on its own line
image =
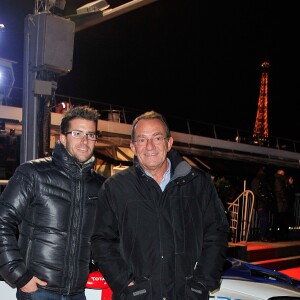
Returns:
<point x="240" y="281"/>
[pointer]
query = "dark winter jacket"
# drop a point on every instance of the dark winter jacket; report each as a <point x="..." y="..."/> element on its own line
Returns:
<point x="54" y="202"/>
<point x="172" y="243"/>
<point x="262" y="190"/>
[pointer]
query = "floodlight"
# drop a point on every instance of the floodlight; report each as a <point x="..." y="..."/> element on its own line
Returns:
<point x="60" y="4"/>
<point x="7" y="78"/>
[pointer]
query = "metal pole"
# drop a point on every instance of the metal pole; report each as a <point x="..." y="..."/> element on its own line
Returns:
<point x="29" y="139"/>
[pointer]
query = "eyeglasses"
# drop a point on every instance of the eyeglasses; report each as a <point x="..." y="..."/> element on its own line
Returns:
<point x="157" y="140"/>
<point x="77" y="134"/>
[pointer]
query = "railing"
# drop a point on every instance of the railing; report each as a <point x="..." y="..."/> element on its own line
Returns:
<point x="240" y="216"/>
<point x="243" y="218"/>
<point x="126" y="115"/>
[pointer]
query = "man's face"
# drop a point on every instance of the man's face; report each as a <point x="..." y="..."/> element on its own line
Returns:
<point x="80" y="148"/>
<point x="153" y="149"/>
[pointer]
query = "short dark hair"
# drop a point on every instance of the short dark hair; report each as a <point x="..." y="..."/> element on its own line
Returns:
<point x="78" y="112"/>
<point x="149" y="115"/>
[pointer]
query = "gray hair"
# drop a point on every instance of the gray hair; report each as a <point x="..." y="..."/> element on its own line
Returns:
<point x="150" y="115"/>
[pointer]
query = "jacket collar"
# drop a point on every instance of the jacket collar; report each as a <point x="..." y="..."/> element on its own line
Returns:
<point x="62" y="157"/>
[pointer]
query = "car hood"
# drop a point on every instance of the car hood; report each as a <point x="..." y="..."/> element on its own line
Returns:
<point x="253" y="280"/>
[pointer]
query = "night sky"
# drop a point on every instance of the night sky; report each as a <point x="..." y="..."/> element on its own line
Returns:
<point x="192" y="59"/>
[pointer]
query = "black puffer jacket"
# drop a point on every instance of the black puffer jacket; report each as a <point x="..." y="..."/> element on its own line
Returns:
<point x="54" y="202"/>
<point x="172" y="243"/>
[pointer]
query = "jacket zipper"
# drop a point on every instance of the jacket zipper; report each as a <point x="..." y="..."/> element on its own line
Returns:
<point x="73" y="234"/>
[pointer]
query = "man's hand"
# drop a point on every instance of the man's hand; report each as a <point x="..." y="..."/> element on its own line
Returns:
<point x="31" y="286"/>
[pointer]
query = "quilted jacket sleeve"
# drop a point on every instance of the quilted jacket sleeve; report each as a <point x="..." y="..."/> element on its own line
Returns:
<point x="13" y="202"/>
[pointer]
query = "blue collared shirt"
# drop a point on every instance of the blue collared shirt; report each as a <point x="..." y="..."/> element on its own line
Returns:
<point x="166" y="177"/>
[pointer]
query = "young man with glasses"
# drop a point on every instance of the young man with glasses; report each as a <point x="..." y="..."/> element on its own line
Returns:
<point x="164" y="229"/>
<point x="51" y="204"/>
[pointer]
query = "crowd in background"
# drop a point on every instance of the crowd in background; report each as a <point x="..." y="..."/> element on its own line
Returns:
<point x="274" y="202"/>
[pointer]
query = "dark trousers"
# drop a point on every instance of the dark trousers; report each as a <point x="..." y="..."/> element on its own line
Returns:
<point x="263" y="217"/>
<point x="42" y="294"/>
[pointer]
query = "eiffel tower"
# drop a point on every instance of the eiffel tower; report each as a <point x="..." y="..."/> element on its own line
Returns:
<point x="260" y="133"/>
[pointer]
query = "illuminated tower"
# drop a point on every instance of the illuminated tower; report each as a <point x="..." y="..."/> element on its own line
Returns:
<point x="260" y="133"/>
